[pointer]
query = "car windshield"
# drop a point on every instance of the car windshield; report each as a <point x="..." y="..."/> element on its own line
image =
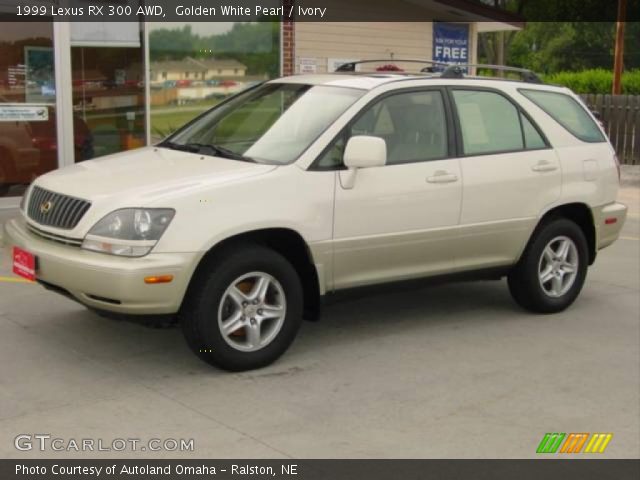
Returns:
<point x="273" y="123"/>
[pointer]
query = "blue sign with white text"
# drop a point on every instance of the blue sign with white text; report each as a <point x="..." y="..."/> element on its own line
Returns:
<point x="450" y="43"/>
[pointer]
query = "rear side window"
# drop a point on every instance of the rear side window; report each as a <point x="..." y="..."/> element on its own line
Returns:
<point x="567" y="112"/>
<point x="488" y="121"/>
<point x="532" y="138"/>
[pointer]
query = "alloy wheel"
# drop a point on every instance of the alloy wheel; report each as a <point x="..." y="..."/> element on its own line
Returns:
<point x="252" y="311"/>
<point x="558" y="266"/>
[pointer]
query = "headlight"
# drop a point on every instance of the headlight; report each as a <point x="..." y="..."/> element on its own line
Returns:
<point x="130" y="232"/>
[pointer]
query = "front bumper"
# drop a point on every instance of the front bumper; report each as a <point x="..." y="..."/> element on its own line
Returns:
<point x="103" y="281"/>
<point x="609" y="220"/>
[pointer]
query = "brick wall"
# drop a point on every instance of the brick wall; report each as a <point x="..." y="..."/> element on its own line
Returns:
<point x="288" y="42"/>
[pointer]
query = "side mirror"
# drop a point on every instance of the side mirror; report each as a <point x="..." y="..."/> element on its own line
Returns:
<point x="363" y="151"/>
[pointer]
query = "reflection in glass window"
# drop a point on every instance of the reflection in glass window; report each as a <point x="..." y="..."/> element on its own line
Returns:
<point x="108" y="100"/>
<point x="194" y="66"/>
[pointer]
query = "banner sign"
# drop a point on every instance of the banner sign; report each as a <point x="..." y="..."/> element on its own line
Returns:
<point x="450" y="43"/>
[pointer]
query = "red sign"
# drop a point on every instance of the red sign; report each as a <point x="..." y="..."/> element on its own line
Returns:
<point x="24" y="264"/>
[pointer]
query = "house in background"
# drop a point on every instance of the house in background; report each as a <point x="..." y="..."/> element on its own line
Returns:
<point x="192" y="69"/>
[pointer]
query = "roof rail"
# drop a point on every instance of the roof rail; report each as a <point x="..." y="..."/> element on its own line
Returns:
<point x="351" y="66"/>
<point x="457" y="71"/>
<point x="449" y="70"/>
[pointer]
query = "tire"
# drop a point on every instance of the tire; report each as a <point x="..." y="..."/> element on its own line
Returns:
<point x="543" y="281"/>
<point x="258" y="333"/>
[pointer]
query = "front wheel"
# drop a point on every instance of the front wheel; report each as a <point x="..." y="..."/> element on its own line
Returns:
<point x="552" y="270"/>
<point x="246" y="311"/>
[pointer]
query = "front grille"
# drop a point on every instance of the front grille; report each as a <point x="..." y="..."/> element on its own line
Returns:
<point x="56" y="210"/>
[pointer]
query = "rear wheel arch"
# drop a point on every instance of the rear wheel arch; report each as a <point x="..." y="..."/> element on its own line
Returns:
<point x="288" y="243"/>
<point x="581" y="215"/>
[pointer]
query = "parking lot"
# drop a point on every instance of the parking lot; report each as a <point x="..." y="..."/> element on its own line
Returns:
<point x="449" y="371"/>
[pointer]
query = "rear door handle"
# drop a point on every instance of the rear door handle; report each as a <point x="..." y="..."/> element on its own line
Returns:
<point x="544" y="166"/>
<point x="442" y="176"/>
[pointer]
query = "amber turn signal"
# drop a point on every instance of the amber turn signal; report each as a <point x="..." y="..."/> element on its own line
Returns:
<point x="158" y="279"/>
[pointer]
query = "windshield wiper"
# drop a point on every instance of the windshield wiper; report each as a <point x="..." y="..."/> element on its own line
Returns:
<point x="199" y="147"/>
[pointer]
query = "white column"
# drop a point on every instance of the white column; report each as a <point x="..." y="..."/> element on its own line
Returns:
<point x="147" y="83"/>
<point x="64" y="93"/>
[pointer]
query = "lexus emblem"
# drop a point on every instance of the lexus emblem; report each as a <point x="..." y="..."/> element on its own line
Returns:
<point x="45" y="207"/>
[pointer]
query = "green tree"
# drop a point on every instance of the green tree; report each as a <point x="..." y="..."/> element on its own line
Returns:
<point x="552" y="46"/>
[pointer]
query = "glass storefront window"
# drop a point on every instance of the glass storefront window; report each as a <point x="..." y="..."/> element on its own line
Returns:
<point x="193" y="66"/>
<point x="108" y="100"/>
<point x="28" y="142"/>
<point x="196" y="65"/>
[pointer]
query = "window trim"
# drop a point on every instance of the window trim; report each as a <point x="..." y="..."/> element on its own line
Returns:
<point x="448" y="112"/>
<point x="518" y="107"/>
<point x="603" y="136"/>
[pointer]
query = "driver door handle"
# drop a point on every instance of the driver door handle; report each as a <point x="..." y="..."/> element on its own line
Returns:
<point x="442" y="176"/>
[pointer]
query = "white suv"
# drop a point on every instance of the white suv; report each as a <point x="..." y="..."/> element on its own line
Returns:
<point x="245" y="218"/>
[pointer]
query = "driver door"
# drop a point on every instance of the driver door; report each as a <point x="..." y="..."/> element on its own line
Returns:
<point x="398" y="221"/>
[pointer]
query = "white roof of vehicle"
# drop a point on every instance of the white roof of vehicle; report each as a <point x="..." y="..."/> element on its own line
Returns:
<point x="365" y="82"/>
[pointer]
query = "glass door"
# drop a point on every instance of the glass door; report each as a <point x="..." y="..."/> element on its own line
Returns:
<point x="108" y="95"/>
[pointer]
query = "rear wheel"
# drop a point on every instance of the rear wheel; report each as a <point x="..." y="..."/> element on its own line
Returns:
<point x="552" y="270"/>
<point x="245" y="311"/>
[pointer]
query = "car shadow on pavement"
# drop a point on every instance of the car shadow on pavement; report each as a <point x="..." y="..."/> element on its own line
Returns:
<point x="352" y="319"/>
<point x="415" y="310"/>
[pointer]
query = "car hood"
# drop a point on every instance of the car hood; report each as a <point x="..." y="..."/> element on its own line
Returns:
<point x="147" y="174"/>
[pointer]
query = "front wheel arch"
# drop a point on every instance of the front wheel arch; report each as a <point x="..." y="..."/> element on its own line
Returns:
<point x="288" y="243"/>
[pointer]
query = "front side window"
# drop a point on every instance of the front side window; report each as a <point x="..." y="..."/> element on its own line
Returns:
<point x="273" y="123"/>
<point x="412" y="124"/>
<point x="489" y="123"/>
<point x="567" y="112"/>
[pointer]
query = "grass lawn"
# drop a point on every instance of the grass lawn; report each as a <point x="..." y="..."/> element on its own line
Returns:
<point x="162" y="124"/>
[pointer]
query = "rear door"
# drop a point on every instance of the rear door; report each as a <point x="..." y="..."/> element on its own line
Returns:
<point x="510" y="175"/>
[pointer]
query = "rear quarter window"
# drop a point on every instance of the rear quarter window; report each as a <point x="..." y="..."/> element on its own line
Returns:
<point x="568" y="112"/>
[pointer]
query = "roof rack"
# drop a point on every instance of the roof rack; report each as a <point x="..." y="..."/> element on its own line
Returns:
<point x="351" y="66"/>
<point x="457" y="71"/>
<point x="449" y="70"/>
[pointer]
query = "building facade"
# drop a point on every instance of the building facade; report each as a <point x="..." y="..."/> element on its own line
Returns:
<point x="71" y="92"/>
